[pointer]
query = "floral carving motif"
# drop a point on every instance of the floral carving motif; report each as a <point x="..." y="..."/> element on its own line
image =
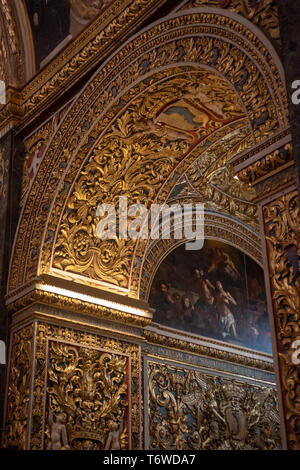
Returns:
<point x="191" y="410"/>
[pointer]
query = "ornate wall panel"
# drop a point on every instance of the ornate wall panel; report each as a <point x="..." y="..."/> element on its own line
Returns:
<point x="281" y="219"/>
<point x="83" y="386"/>
<point x="191" y="410"/>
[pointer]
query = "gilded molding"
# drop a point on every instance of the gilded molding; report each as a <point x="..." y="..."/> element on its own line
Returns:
<point x="217" y="353"/>
<point x="282" y="231"/>
<point x="68" y="303"/>
<point x="93" y="122"/>
<point x="267" y="166"/>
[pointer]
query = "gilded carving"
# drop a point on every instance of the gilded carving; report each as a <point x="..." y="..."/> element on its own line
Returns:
<point x="193" y="411"/>
<point x="91" y="389"/>
<point x="267" y="117"/>
<point x="91" y="393"/>
<point x="3" y="175"/>
<point x="146" y="142"/>
<point x="282" y="230"/>
<point x="11" y="64"/>
<point x="267" y="165"/>
<point x="263" y="13"/>
<point x="199" y="349"/>
<point x="18" y="395"/>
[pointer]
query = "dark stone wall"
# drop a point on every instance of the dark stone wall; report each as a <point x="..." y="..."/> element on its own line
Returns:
<point x="289" y="18"/>
<point x="12" y="152"/>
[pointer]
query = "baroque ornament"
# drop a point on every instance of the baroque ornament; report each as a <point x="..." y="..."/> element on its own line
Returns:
<point x="263" y="13"/>
<point x="74" y="144"/>
<point x="133" y="159"/>
<point x="193" y="411"/>
<point x="282" y="230"/>
<point x="19" y="389"/>
<point x="93" y="386"/>
<point x="89" y="392"/>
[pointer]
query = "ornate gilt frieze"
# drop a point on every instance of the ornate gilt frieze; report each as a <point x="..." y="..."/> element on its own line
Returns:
<point x="73" y="304"/>
<point x="189" y="410"/>
<point x="282" y="231"/>
<point x="263" y="14"/>
<point x="213" y="350"/>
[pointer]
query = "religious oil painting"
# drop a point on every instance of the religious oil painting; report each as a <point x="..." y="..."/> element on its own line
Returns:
<point x="216" y="292"/>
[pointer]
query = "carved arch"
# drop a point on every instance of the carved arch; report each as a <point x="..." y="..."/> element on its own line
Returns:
<point x="200" y="41"/>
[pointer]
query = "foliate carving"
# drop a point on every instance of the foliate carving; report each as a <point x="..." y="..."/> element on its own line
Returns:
<point x="35" y="149"/>
<point x="216" y="226"/>
<point x="263" y="13"/>
<point x="266" y="165"/>
<point x="193" y="411"/>
<point x="268" y="116"/>
<point x="90" y="387"/>
<point x="12" y="66"/>
<point x="93" y="389"/>
<point x="18" y="395"/>
<point x="135" y="156"/>
<point x="282" y="228"/>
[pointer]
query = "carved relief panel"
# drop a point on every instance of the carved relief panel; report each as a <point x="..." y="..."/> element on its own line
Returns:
<point x="189" y="410"/>
<point x="83" y="392"/>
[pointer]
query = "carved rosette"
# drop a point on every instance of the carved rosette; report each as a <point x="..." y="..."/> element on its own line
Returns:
<point x="190" y="410"/>
<point x="282" y="230"/>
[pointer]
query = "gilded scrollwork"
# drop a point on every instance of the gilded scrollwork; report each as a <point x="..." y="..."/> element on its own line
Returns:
<point x="282" y="230"/>
<point x="91" y="389"/>
<point x="267" y="165"/>
<point x="193" y="411"/>
<point x="263" y="13"/>
<point x="19" y="389"/>
<point x="73" y="144"/>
